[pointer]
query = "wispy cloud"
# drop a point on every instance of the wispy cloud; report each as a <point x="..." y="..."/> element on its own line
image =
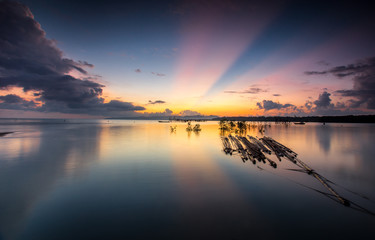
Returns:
<point x="323" y="63"/>
<point x="158" y="74"/>
<point x="156" y="102"/>
<point x="348" y="70"/>
<point x="251" y="90"/>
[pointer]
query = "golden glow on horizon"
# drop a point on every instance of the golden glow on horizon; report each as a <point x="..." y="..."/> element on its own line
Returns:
<point x="200" y="64"/>
<point x="29" y="95"/>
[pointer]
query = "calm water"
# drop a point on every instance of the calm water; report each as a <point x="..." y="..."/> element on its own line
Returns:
<point x="120" y="179"/>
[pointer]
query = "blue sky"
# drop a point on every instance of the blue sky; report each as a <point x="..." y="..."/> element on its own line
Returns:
<point x="209" y="56"/>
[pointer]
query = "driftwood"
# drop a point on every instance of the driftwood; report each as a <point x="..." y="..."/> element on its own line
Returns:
<point x="4" y="133"/>
<point x="254" y="150"/>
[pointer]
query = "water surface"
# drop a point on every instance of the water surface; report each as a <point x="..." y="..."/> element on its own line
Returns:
<point x="122" y="179"/>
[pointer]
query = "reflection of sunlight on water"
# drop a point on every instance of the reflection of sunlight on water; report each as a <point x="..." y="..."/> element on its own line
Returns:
<point x="71" y="163"/>
<point x="206" y="192"/>
<point x="75" y="162"/>
<point x="194" y="167"/>
<point x="17" y="145"/>
<point x="127" y="141"/>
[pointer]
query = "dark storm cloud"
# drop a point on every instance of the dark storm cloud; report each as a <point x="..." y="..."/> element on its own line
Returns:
<point x="323" y="106"/>
<point x="251" y="90"/>
<point x="156" y="102"/>
<point x="112" y="108"/>
<point x="31" y="61"/>
<point x="15" y="102"/>
<point x="269" y="105"/>
<point x="363" y="90"/>
<point x="363" y="74"/>
<point x="340" y="105"/>
<point x="308" y="105"/>
<point x="324" y="100"/>
<point x="115" y="106"/>
<point x="95" y="107"/>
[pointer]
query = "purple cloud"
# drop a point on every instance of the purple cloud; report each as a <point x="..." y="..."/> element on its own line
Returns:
<point x="363" y="73"/>
<point x="269" y="105"/>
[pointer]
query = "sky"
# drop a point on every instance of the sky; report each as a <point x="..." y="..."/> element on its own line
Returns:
<point x="95" y="59"/>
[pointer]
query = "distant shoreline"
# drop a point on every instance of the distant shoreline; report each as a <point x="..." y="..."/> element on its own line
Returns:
<point x="320" y="119"/>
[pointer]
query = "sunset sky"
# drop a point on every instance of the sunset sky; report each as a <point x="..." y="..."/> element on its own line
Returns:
<point x="180" y="58"/>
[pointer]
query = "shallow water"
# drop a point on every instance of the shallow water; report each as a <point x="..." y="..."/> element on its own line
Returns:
<point x="121" y="179"/>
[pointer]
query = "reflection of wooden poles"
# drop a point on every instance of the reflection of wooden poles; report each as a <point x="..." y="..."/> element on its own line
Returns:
<point x="292" y="156"/>
<point x="4" y="133"/>
<point x="227" y="145"/>
<point x="272" y="163"/>
<point x="323" y="181"/>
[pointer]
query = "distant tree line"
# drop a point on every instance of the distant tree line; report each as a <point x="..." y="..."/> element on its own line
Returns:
<point x="333" y="119"/>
